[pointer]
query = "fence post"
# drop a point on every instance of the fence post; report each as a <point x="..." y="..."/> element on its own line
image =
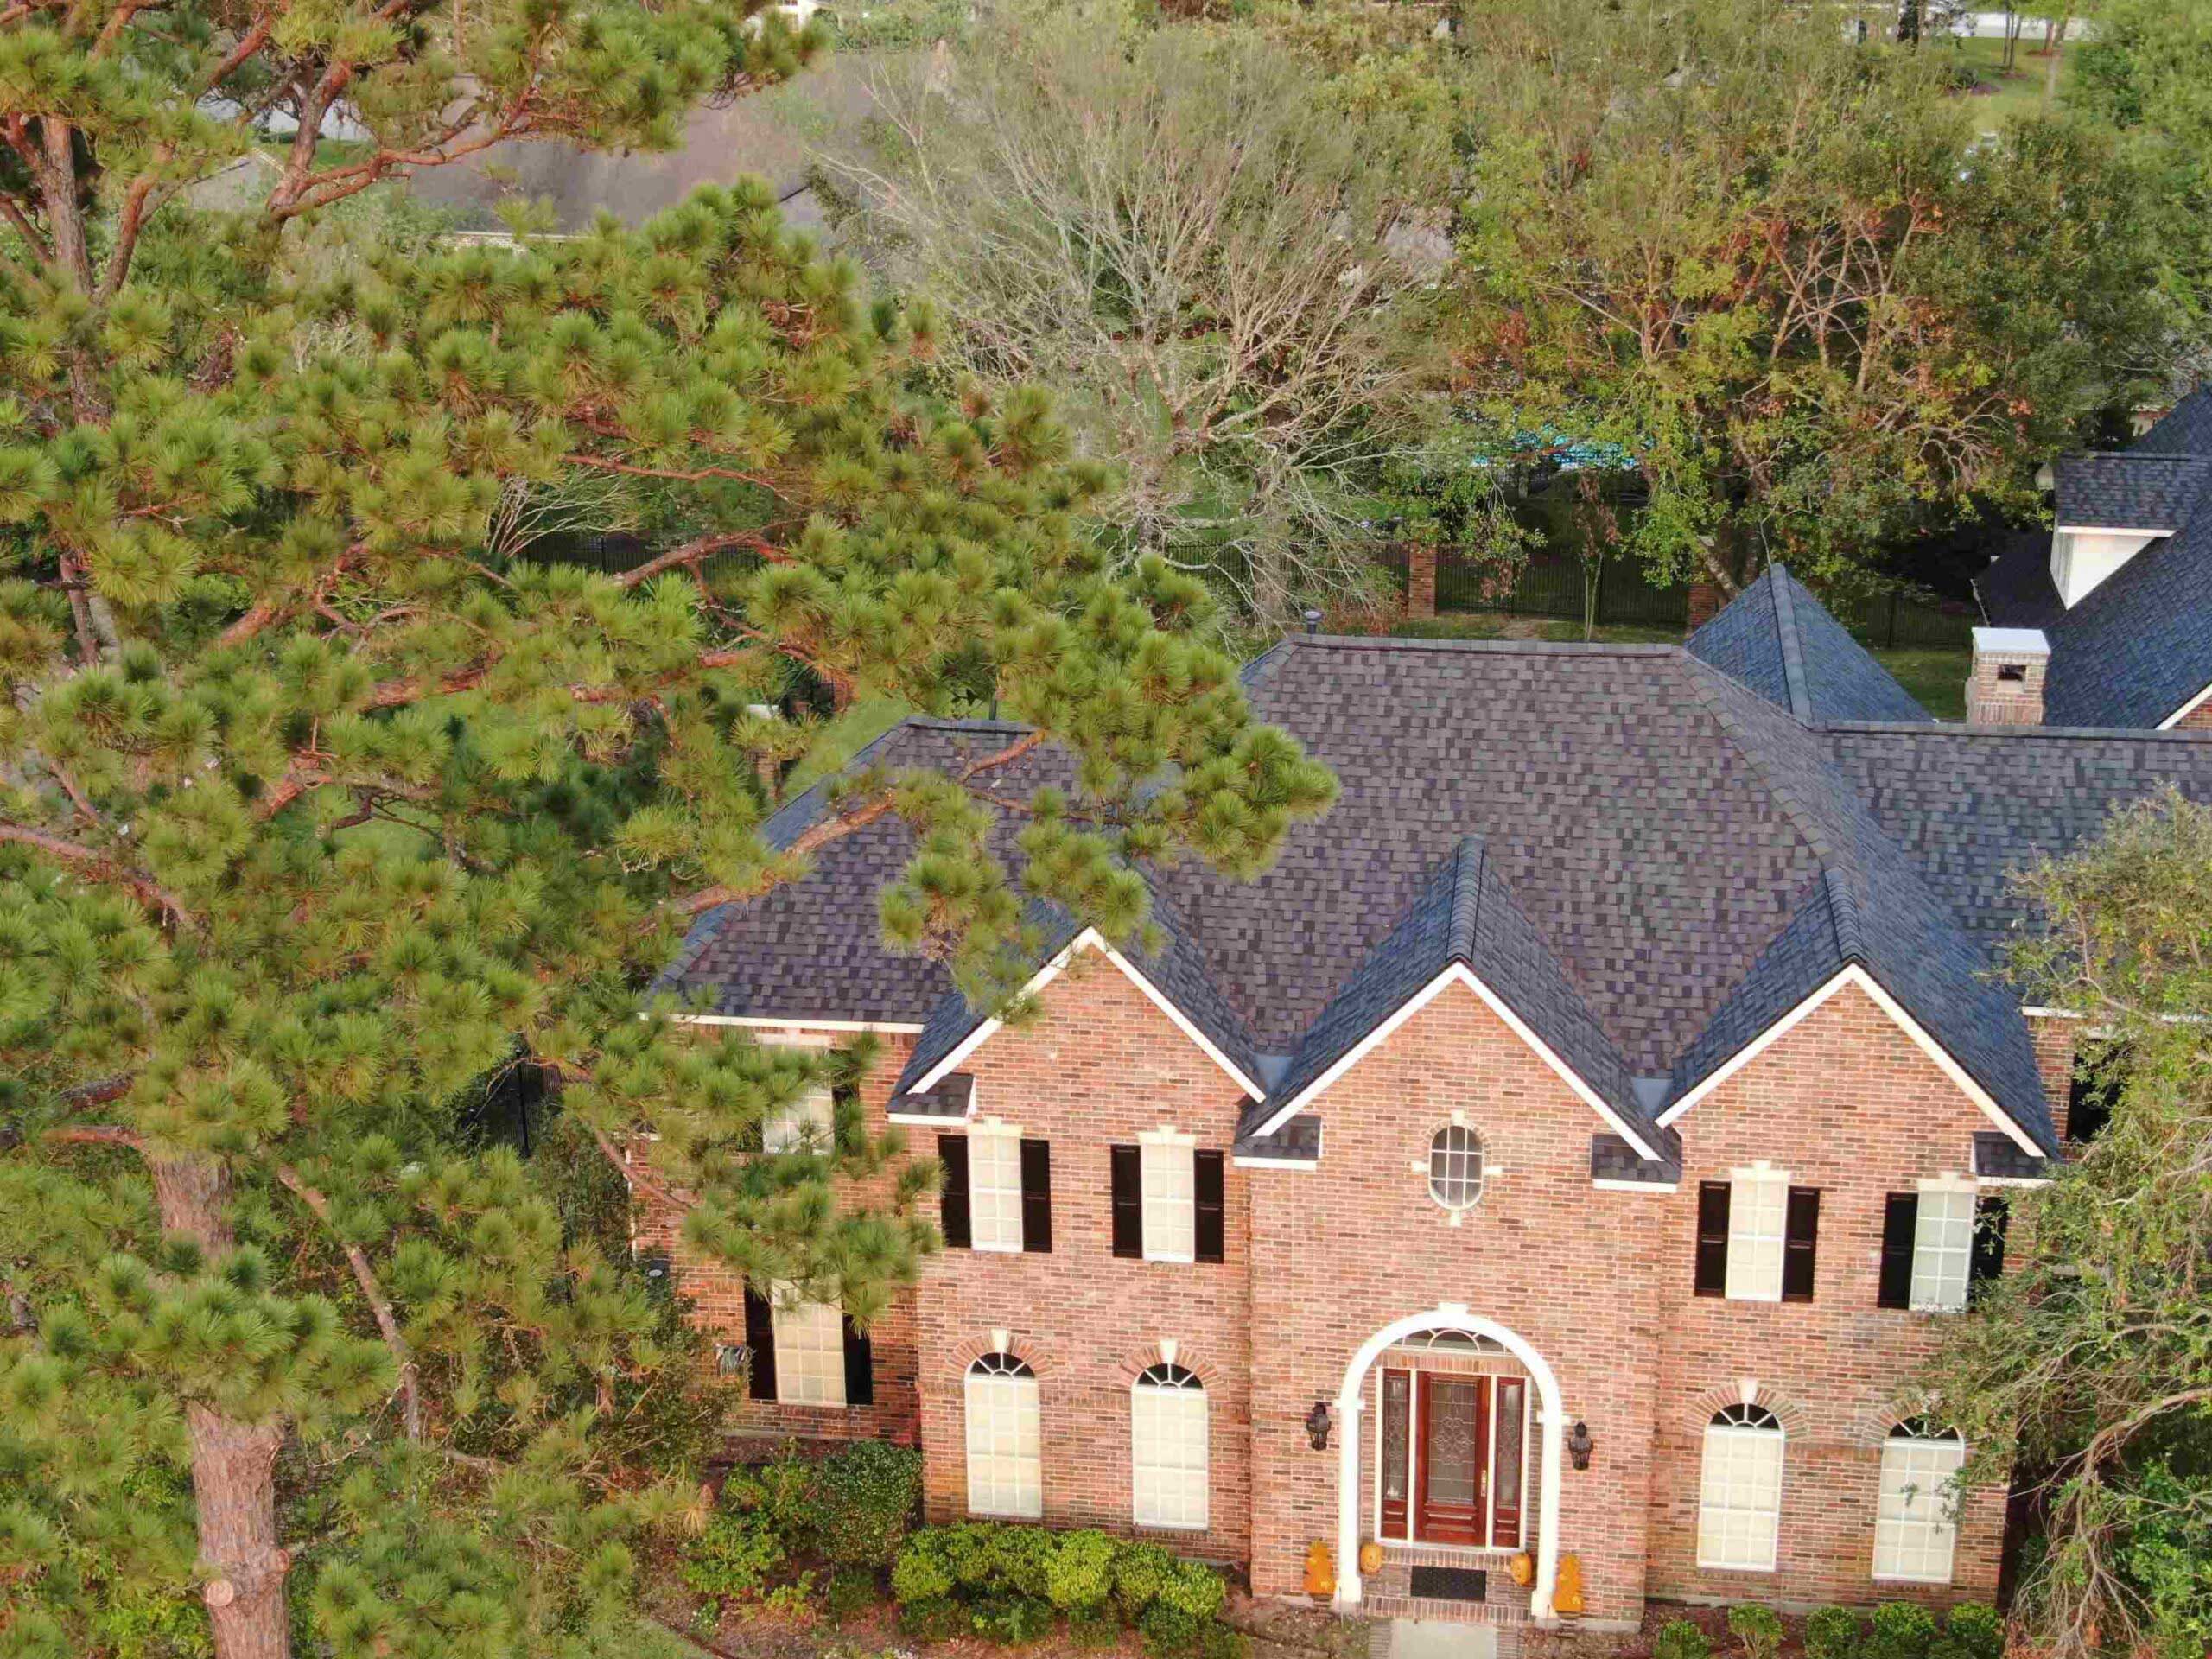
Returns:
<point x="1420" y="579"/>
<point x="1892" y="645"/>
<point x="1598" y="599"/>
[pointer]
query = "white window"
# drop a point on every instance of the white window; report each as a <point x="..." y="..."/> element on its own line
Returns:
<point x="1740" y="1501"/>
<point x="1170" y="1201"/>
<point x="1455" y="1166"/>
<point x="994" y="1187"/>
<point x="809" y="1353"/>
<point x="805" y="1125"/>
<point x="1758" y="1217"/>
<point x="1006" y="1467"/>
<point x="1167" y="1448"/>
<point x="1942" y="1249"/>
<point x="1916" y="1520"/>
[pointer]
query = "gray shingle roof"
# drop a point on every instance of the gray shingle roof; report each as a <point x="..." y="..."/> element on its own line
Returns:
<point x="2185" y="429"/>
<point x="1464" y="915"/>
<point x="1780" y="641"/>
<point x="1998" y="1157"/>
<point x="2132" y="490"/>
<point x="2016" y="591"/>
<point x="1612" y="1159"/>
<point x="1666" y="853"/>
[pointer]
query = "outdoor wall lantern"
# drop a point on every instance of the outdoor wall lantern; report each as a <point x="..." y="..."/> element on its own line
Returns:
<point x="1579" y="1445"/>
<point x="1317" y="1426"/>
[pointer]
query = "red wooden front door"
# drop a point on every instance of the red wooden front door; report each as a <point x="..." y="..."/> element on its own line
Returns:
<point x="1453" y="1484"/>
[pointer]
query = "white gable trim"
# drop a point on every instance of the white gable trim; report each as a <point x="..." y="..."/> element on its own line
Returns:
<point x="795" y="1022"/>
<point x="2186" y="711"/>
<point x="1853" y="974"/>
<point x="1458" y="974"/>
<point x="1091" y="939"/>
<point x="1602" y="1185"/>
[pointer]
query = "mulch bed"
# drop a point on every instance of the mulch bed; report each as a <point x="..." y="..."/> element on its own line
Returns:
<point x="1569" y="1643"/>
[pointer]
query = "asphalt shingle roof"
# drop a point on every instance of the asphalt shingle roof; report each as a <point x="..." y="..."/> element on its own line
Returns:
<point x="1643" y="856"/>
<point x="2132" y="490"/>
<point x="1780" y="641"/>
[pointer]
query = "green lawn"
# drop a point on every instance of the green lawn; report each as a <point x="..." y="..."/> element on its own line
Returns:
<point x="1936" y="678"/>
<point x="2019" y="93"/>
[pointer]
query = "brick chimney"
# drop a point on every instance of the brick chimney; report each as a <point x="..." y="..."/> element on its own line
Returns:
<point x="2006" y="687"/>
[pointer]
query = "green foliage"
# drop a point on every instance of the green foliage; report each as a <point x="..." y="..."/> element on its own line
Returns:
<point x="922" y="1575"/>
<point x="1170" y="1632"/>
<point x="940" y="1619"/>
<point x="1831" y="1633"/>
<point x="2091" y="1355"/>
<point x="1902" y="1630"/>
<point x="1093" y="1626"/>
<point x="1080" y="1576"/>
<point x="1193" y="1588"/>
<point x="1758" y="1628"/>
<point x="1976" y="1630"/>
<point x="1680" y="1639"/>
<point x="1141" y="1573"/>
<point x="1012" y="1620"/>
<point x="850" y="1591"/>
<point x="852" y="1506"/>
<point x="734" y="1556"/>
<point x="1218" y="1641"/>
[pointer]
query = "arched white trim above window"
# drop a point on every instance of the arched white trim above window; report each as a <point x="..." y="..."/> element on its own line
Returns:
<point x="1006" y="1462"/>
<point x="1916" y="1516"/>
<point x="1739" y="1492"/>
<point x="1169" y="1449"/>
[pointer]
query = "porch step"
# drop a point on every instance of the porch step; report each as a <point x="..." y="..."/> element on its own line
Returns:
<point x="1431" y="1638"/>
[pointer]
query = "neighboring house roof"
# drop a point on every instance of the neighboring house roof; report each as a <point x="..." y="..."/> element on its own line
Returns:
<point x="2138" y="648"/>
<point x="1463" y="917"/>
<point x="1780" y="641"/>
<point x="1645" y="858"/>
<point x="2132" y="490"/>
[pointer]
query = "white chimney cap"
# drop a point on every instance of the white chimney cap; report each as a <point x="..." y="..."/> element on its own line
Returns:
<point x="2011" y="642"/>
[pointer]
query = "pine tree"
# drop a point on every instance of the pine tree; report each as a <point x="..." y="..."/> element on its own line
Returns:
<point x="320" y="807"/>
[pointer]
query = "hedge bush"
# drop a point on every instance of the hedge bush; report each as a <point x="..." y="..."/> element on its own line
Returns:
<point x="1680" y="1639"/>
<point x="1831" y="1633"/>
<point x="1902" y="1629"/>
<point x="1003" y="1575"/>
<point x="861" y="1500"/>
<point x="734" y="1557"/>
<point x="1975" y="1628"/>
<point x="1759" y="1628"/>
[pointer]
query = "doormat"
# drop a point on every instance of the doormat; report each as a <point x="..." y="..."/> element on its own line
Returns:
<point x="1450" y="1584"/>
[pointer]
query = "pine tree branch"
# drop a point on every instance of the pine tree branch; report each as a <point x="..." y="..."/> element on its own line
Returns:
<point x="100" y="867"/>
<point x="249" y="44"/>
<point x="380" y="1304"/>
<point x="101" y="1134"/>
<point x="692" y="552"/>
<point x="680" y="475"/>
<point x="630" y="1173"/>
<point x="98" y="1093"/>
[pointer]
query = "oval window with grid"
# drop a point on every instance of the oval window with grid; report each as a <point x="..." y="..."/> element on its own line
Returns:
<point x="1455" y="1166"/>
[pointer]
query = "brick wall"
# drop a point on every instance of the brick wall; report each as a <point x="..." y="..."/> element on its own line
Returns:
<point x="1098" y="1066"/>
<point x="718" y="1295"/>
<point x="1847" y="1104"/>
<point x="2198" y="719"/>
<point x="2055" y="1041"/>
<point x="1349" y="1248"/>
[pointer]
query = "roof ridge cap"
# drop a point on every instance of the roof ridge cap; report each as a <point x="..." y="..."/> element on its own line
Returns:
<point x="1467" y="897"/>
<point x="1800" y="818"/>
<point x="1793" y="656"/>
<point x="1843" y="915"/>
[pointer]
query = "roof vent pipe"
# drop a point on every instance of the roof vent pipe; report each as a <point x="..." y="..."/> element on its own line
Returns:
<point x="1313" y="622"/>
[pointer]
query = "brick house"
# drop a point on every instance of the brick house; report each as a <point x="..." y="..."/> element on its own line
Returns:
<point x="1571" y="1145"/>
<point x="2109" y="623"/>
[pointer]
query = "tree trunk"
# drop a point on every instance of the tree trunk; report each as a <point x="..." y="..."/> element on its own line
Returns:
<point x="233" y="1462"/>
<point x="2051" y="58"/>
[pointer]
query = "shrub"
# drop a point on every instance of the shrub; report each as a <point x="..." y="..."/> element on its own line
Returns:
<point x="921" y="1575"/>
<point x="967" y="1550"/>
<point x="777" y="1496"/>
<point x="1680" y="1639"/>
<point x="860" y="1500"/>
<point x="1975" y="1627"/>
<point x="1759" y="1628"/>
<point x="940" y="1620"/>
<point x="1193" y="1588"/>
<point x="1218" y="1641"/>
<point x="1140" y="1572"/>
<point x="1169" y="1632"/>
<point x="1021" y="1560"/>
<point x="1831" y="1633"/>
<point x="732" y="1556"/>
<point x="1080" y="1575"/>
<point x="1012" y="1620"/>
<point x="850" y="1591"/>
<point x="1902" y="1630"/>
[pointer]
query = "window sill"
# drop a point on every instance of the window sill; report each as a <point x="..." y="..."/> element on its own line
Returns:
<point x="1183" y="1260"/>
<point x="995" y="1249"/>
<point x="1900" y="1577"/>
<point x="1204" y="1527"/>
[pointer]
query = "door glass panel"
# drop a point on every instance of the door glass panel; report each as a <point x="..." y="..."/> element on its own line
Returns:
<point x="1397" y="1407"/>
<point x="1451" y="1450"/>
<point x="1505" y="1469"/>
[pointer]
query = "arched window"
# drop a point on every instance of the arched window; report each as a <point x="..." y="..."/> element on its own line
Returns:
<point x="1915" y="1517"/>
<point x="1006" y="1471"/>
<point x="1167" y="1448"/>
<point x="1455" y="1166"/>
<point x="1739" y="1499"/>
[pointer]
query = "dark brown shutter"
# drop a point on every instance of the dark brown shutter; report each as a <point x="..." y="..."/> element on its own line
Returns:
<point x="1800" y="1238"/>
<point x="859" y="1365"/>
<point x="1991" y="1213"/>
<point x="1128" y="1200"/>
<point x="1037" y="1197"/>
<point x="1900" y="1225"/>
<point x="760" y="1337"/>
<point x="1213" y="1224"/>
<point x="1711" y="1239"/>
<point x="952" y="1199"/>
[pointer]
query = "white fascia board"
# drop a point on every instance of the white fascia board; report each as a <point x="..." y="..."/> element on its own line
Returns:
<point x="1459" y="974"/>
<point x="2186" y="711"/>
<point x="795" y="1022"/>
<point x="2111" y="530"/>
<point x="1090" y="939"/>
<point x="1636" y="1186"/>
<point x="2011" y="1180"/>
<point x="1308" y="1164"/>
<point x="1853" y="974"/>
<point x="925" y="1119"/>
